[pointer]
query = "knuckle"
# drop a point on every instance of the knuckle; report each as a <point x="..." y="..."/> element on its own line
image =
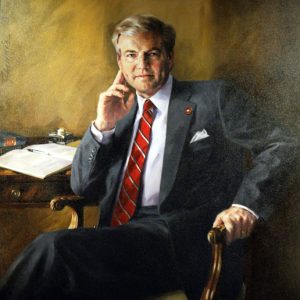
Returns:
<point x="239" y="218"/>
<point x="229" y="227"/>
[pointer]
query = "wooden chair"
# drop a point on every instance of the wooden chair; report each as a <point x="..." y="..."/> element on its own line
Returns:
<point x="216" y="238"/>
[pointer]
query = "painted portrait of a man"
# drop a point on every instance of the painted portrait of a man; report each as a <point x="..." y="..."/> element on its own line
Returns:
<point x="187" y="120"/>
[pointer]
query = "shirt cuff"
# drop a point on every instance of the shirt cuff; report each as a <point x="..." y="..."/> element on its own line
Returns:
<point x="102" y="137"/>
<point x="247" y="208"/>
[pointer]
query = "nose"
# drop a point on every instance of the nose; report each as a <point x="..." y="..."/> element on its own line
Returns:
<point x="143" y="61"/>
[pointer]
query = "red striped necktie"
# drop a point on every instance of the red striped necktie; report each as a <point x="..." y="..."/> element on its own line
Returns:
<point x="126" y="203"/>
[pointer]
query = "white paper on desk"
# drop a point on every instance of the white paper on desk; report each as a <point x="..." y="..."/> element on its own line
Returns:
<point x="56" y="150"/>
<point x="44" y="161"/>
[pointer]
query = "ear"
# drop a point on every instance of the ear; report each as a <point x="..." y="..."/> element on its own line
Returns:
<point x="119" y="58"/>
<point x="119" y="61"/>
<point x="171" y="60"/>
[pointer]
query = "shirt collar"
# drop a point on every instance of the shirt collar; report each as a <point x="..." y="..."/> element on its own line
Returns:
<point x="161" y="98"/>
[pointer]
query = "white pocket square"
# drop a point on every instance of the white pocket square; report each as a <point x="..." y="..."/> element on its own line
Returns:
<point x="199" y="135"/>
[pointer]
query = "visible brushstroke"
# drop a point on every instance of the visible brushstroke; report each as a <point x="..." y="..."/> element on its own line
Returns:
<point x="4" y="71"/>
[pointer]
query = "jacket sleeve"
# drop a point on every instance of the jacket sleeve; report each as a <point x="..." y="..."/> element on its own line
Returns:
<point x="273" y="149"/>
<point x="89" y="167"/>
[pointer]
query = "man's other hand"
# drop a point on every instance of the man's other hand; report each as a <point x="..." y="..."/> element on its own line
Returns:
<point x="239" y="223"/>
<point x="114" y="104"/>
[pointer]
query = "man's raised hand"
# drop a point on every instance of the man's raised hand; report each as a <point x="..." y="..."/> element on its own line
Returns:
<point x="114" y="104"/>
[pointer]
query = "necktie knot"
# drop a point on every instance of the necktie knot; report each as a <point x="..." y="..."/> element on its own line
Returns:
<point x="148" y="105"/>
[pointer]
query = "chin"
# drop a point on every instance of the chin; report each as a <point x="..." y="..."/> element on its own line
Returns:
<point x="144" y="88"/>
<point x="149" y="88"/>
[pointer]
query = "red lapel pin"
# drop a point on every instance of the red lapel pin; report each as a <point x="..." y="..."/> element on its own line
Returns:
<point x="188" y="110"/>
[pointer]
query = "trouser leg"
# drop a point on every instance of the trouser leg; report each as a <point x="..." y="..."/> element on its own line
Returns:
<point x="127" y="262"/>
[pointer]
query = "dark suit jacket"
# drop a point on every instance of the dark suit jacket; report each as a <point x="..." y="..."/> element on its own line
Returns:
<point x="199" y="179"/>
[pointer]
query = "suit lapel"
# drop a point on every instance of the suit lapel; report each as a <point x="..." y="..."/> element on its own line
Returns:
<point x="179" y="118"/>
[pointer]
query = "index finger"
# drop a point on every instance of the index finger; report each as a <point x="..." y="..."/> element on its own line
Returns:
<point x="119" y="78"/>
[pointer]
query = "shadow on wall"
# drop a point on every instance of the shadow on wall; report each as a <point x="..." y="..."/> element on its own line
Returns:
<point x="257" y="46"/>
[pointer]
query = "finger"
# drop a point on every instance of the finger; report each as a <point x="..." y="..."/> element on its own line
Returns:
<point x="218" y="221"/>
<point x="119" y="78"/>
<point x="252" y="225"/>
<point x="239" y="225"/>
<point x="245" y="225"/>
<point x="119" y="87"/>
<point x="114" y="93"/>
<point x="223" y="218"/>
<point x="236" y="227"/>
<point x="243" y="234"/>
<point x="229" y="225"/>
<point x="249" y="224"/>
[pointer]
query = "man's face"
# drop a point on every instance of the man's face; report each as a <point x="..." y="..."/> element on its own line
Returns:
<point x="144" y="62"/>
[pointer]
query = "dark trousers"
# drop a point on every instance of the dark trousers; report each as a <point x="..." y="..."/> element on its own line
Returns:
<point x="131" y="262"/>
<point x="127" y="262"/>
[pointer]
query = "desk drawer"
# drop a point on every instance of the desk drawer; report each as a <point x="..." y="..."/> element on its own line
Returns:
<point x="32" y="192"/>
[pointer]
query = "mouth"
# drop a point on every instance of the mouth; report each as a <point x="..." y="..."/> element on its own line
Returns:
<point x="143" y="76"/>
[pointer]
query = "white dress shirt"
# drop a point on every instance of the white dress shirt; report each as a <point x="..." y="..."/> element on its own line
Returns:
<point x="154" y="161"/>
<point x="153" y="165"/>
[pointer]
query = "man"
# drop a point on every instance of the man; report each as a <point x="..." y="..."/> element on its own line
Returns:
<point x="165" y="160"/>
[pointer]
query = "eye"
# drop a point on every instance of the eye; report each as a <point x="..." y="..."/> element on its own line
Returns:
<point x="131" y="55"/>
<point x="154" y="54"/>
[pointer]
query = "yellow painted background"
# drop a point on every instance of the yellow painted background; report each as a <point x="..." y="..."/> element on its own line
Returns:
<point x="56" y="56"/>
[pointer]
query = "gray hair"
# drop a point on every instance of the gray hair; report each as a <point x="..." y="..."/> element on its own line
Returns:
<point x="145" y="23"/>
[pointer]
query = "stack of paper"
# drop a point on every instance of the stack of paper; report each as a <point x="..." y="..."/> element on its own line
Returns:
<point x="39" y="160"/>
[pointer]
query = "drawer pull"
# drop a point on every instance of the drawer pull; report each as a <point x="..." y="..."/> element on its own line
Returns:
<point x="15" y="194"/>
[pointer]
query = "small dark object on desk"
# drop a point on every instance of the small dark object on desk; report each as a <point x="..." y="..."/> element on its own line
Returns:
<point x="60" y="136"/>
<point x="11" y="141"/>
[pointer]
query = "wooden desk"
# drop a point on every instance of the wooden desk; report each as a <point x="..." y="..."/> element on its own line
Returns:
<point x="18" y="190"/>
<point x="19" y="228"/>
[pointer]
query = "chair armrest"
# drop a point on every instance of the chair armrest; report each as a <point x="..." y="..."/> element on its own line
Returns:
<point x="216" y="238"/>
<point x="217" y="235"/>
<point x="75" y="203"/>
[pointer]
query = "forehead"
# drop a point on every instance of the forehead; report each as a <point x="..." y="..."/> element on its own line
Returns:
<point x="143" y="41"/>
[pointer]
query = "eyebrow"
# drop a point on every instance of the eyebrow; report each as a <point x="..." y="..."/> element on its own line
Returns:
<point x="152" y="49"/>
